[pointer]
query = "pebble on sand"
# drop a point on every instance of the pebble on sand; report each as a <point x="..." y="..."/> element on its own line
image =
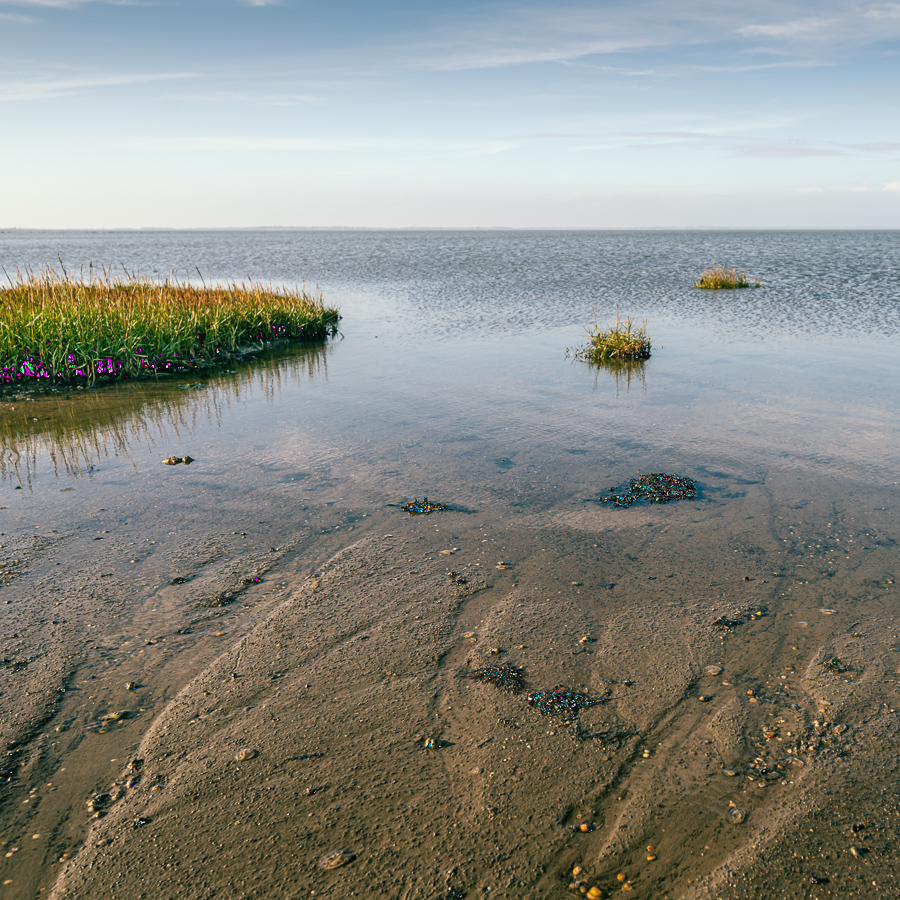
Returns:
<point x="336" y="858"/>
<point x="828" y="612"/>
<point x="246" y="753"/>
<point x="737" y="816"/>
<point x="713" y="670"/>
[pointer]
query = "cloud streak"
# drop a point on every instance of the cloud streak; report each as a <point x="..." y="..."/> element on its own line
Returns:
<point x="50" y="88"/>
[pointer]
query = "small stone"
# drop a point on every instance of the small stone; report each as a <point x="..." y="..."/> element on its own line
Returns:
<point x="646" y="754"/>
<point x="187" y="460"/>
<point x="713" y="670"/>
<point x="336" y="858"/>
<point x="704" y="698"/>
<point x="839" y="729"/>
<point x="130" y="685"/>
<point x="737" y="816"/>
<point x="433" y="744"/>
<point x="828" y="612"/>
<point x="446" y="553"/>
<point x="245" y="754"/>
<point x="577" y="871"/>
<point x="502" y="567"/>
<point x="585" y="828"/>
<point x="594" y="893"/>
<point x="172" y="461"/>
<point x="729" y="772"/>
<point x="650" y="857"/>
<point x="470" y="634"/>
<point x="496" y="650"/>
<point x="477" y="771"/>
<point x="587" y="639"/>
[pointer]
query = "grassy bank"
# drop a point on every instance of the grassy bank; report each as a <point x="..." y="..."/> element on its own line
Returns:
<point x="620" y="343"/>
<point x="62" y="329"/>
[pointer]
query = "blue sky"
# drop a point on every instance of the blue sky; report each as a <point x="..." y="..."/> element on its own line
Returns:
<point x="197" y="113"/>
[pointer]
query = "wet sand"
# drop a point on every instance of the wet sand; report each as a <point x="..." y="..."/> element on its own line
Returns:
<point x="221" y="737"/>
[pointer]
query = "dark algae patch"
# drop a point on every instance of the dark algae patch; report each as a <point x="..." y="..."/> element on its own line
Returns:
<point x="559" y="702"/>
<point x="657" y="488"/>
<point x="423" y="507"/>
<point x="506" y="677"/>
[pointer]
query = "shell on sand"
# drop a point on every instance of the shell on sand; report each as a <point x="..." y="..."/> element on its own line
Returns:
<point x="336" y="858"/>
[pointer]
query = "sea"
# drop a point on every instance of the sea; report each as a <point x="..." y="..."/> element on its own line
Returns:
<point x="452" y="375"/>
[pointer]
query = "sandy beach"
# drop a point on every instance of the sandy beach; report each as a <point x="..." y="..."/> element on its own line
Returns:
<point x="332" y="729"/>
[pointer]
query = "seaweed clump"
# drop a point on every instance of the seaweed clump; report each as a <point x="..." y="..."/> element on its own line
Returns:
<point x="506" y="677"/>
<point x="657" y="488"/>
<point x="559" y="702"/>
<point x="423" y="507"/>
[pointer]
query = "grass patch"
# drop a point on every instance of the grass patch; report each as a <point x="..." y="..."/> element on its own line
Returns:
<point x="621" y="342"/>
<point x="60" y="329"/>
<point x="719" y="278"/>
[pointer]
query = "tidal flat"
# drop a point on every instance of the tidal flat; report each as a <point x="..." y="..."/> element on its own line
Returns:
<point x="258" y="676"/>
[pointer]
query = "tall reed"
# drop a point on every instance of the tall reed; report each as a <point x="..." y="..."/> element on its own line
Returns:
<point x="60" y="329"/>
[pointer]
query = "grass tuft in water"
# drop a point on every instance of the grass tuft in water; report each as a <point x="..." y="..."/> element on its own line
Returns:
<point x="59" y="329"/>
<point x="621" y="342"/>
<point x="719" y="278"/>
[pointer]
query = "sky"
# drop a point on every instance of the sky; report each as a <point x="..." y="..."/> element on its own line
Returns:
<point x="394" y="113"/>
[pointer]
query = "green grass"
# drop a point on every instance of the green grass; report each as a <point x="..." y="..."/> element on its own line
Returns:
<point x="622" y="342"/>
<point x="61" y="329"/>
<point x="718" y="278"/>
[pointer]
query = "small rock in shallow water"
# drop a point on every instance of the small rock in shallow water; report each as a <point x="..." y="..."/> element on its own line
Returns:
<point x="187" y="460"/>
<point x="172" y="461"/>
<point x="245" y="754"/>
<point x="336" y="858"/>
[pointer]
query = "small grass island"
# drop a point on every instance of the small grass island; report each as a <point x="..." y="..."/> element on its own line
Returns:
<point x="621" y="343"/>
<point x="63" y="330"/>
<point x="719" y="278"/>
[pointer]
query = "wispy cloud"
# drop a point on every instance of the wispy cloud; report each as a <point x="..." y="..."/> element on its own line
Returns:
<point x="503" y="34"/>
<point x="48" y="88"/>
<point x="892" y="186"/>
<point x="230" y="144"/>
<point x="796" y="28"/>
<point x="784" y="151"/>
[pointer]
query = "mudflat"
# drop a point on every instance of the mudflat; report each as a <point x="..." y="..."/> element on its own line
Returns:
<point x="690" y="700"/>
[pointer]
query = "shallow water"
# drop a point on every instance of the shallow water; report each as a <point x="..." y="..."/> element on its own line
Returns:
<point x="451" y="370"/>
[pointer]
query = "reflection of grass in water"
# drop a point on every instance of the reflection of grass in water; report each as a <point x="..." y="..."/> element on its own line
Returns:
<point x="77" y="428"/>
<point x="622" y="371"/>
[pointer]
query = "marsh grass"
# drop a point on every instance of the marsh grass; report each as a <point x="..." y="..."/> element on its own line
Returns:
<point x="620" y="343"/>
<point x="62" y="329"/>
<point x="719" y="278"/>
